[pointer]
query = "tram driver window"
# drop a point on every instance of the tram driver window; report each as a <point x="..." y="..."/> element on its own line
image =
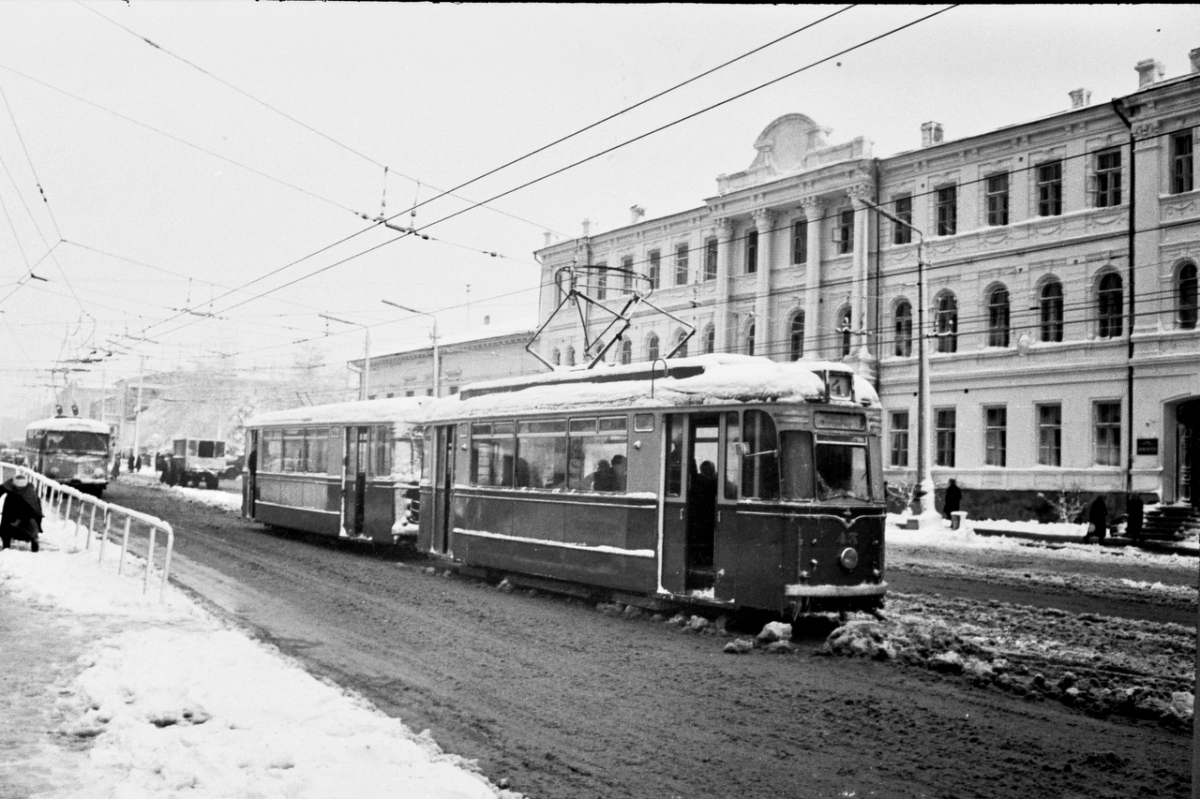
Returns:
<point x="597" y="453"/>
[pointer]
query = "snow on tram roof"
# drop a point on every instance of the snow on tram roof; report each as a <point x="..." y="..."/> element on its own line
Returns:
<point x="700" y="380"/>
<point x="69" y="423"/>
<point x="377" y="411"/>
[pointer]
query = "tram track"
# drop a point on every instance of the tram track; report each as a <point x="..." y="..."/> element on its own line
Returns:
<point x="564" y="701"/>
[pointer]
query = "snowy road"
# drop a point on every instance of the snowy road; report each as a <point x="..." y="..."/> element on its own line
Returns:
<point x="562" y="700"/>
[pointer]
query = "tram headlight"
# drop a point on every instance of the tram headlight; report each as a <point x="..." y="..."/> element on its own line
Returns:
<point x="848" y="558"/>
<point x="98" y="472"/>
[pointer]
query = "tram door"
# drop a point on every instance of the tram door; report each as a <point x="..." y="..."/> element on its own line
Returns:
<point x="354" y="487"/>
<point x="690" y="501"/>
<point x="443" y="479"/>
<point x="251" y="487"/>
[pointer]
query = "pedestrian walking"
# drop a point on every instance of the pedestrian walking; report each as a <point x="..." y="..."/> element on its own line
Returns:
<point x="953" y="501"/>
<point x="1098" y="519"/>
<point x="21" y="517"/>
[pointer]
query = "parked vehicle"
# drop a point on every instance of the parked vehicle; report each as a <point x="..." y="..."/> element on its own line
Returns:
<point x="195" y="461"/>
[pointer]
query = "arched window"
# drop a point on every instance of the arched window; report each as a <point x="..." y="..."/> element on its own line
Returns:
<point x="681" y="342"/>
<point x="556" y="357"/>
<point x="626" y="351"/>
<point x="710" y="339"/>
<point x="844" y="330"/>
<point x="652" y="347"/>
<point x="570" y="356"/>
<point x="1051" y="305"/>
<point x="796" y="337"/>
<point x="1187" y="297"/>
<point x="1108" y="306"/>
<point x="945" y="322"/>
<point x="750" y="340"/>
<point x="904" y="329"/>
<point x="998" y="317"/>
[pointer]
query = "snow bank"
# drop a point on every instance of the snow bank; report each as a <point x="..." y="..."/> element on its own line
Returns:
<point x="175" y="702"/>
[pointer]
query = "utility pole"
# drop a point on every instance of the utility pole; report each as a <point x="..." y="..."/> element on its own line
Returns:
<point x="137" y="411"/>
<point x="922" y="503"/>
<point x="437" y="371"/>
<point x="364" y="383"/>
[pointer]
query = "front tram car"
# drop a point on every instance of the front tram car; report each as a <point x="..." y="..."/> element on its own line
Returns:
<point x="71" y="450"/>
<point x="728" y="480"/>
<point x="346" y="469"/>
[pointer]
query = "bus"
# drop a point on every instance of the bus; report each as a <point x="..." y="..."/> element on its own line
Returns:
<point x="71" y="450"/>
<point x="345" y="470"/>
<point x="721" y="480"/>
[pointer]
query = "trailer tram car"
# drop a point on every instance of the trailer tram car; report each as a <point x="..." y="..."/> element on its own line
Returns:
<point x="719" y="480"/>
<point x="346" y="469"/>
<point x="71" y="450"/>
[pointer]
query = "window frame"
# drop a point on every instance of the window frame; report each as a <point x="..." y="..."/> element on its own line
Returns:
<point x="946" y="210"/>
<point x="1049" y="188"/>
<point x="682" y="251"/>
<point x="845" y="231"/>
<point x="627" y="274"/>
<point x="1050" y="312"/>
<point x="903" y="316"/>
<point x="800" y="242"/>
<point x="898" y="438"/>
<point x="654" y="267"/>
<point x="1107" y="178"/>
<point x="1110" y="299"/>
<point x="711" y="256"/>
<point x="945" y="436"/>
<point x="796" y="336"/>
<point x="995" y="435"/>
<point x="999" y="317"/>
<point x="1049" y="435"/>
<point x="752" y="251"/>
<point x="1106" y="432"/>
<point x="996" y="197"/>
<point x="1186" y="300"/>
<point x="1183" y="176"/>
<point x="902" y="208"/>
<point x="945" y="322"/>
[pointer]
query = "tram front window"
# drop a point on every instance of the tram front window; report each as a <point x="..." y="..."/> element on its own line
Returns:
<point x="830" y="470"/>
<point x="77" y="441"/>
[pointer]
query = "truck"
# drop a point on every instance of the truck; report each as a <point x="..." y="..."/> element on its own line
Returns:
<point x="194" y="461"/>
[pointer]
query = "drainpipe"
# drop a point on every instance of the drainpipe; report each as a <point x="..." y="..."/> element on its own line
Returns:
<point x="1118" y="105"/>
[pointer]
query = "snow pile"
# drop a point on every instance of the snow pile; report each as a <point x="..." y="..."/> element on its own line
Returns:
<point x="1093" y="680"/>
<point x="175" y="702"/>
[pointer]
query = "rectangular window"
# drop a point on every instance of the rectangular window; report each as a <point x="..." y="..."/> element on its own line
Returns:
<point x="601" y="280"/>
<point x="902" y="234"/>
<point x="1182" y="177"/>
<point x="681" y="264"/>
<point x="654" y="268"/>
<point x="1108" y="434"/>
<point x="996" y="436"/>
<point x="733" y="445"/>
<point x="899" y="438"/>
<point x="596" y="454"/>
<point x="752" y="251"/>
<point x="1049" y="435"/>
<point x="997" y="200"/>
<point x="541" y="454"/>
<point x="381" y="452"/>
<point x="1049" y="188"/>
<point x="271" y="459"/>
<point x="845" y="232"/>
<point x="943" y="426"/>
<point x="947" y="210"/>
<point x="492" y="454"/>
<point x="710" y="259"/>
<point x="1108" y="178"/>
<point x="800" y="241"/>
<point x="627" y="274"/>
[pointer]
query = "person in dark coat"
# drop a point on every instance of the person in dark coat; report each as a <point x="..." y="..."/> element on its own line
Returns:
<point x="22" y="515"/>
<point x="1098" y="518"/>
<point x="953" y="499"/>
<point x="1134" y="516"/>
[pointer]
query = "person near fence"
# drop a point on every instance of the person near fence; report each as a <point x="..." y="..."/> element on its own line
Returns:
<point x="21" y="517"/>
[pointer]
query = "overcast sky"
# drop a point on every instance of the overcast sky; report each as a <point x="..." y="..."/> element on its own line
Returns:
<point x="202" y="197"/>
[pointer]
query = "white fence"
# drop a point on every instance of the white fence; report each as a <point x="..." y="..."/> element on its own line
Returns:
<point x="103" y="523"/>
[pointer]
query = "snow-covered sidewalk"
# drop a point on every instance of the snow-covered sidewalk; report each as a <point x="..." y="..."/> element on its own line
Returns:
<point x="110" y="694"/>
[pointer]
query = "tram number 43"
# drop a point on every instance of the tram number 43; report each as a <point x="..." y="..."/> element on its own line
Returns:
<point x="848" y="538"/>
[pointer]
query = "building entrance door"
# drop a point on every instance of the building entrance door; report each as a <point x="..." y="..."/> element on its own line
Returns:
<point x="1187" y="447"/>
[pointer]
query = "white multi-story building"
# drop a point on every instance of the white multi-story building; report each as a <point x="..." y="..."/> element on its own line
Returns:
<point x="1061" y="266"/>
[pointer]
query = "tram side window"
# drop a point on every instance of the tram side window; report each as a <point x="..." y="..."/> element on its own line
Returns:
<point x="271" y="459"/>
<point x="542" y="454"/>
<point x="675" y="457"/>
<point x="381" y="451"/>
<point x="733" y="442"/>
<point x="492" y="454"/>
<point x="316" y="450"/>
<point x="597" y="454"/>
<point x="293" y="450"/>
<point x="760" y="461"/>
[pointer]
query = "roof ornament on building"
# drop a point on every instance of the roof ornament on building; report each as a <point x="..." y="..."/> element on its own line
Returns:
<point x="570" y="278"/>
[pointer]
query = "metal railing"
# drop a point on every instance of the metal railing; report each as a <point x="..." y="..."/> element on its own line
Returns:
<point x="103" y="522"/>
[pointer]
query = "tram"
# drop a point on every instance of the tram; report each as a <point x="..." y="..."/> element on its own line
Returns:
<point x="721" y="480"/>
<point x="347" y="470"/>
<point x="71" y="450"/>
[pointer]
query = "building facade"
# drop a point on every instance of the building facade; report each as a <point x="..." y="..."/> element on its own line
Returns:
<point x="1060" y="261"/>
<point x="468" y="358"/>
